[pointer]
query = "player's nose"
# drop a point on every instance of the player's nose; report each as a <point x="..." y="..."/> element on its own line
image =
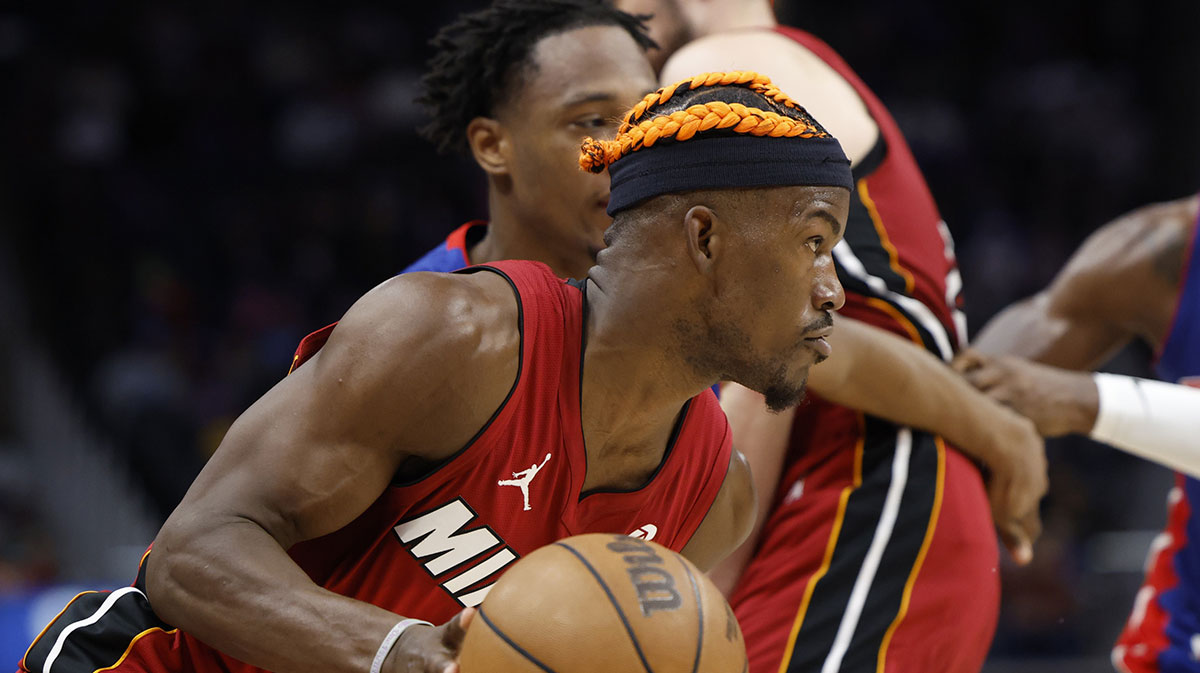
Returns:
<point x="827" y="293"/>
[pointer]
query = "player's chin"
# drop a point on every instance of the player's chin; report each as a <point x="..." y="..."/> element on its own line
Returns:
<point x="783" y="393"/>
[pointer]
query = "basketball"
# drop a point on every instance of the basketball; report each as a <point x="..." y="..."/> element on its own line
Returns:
<point x="603" y="602"/>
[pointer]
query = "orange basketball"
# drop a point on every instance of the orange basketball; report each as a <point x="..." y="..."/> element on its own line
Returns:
<point x="603" y="603"/>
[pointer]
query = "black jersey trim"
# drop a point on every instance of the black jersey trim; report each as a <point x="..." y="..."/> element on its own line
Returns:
<point x="873" y="159"/>
<point x="397" y="482"/>
<point x="830" y="598"/>
<point x="671" y="442"/>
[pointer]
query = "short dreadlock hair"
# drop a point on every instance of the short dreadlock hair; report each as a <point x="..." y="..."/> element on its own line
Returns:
<point x="480" y="57"/>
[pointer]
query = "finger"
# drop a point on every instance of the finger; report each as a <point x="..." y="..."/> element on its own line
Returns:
<point x="967" y="360"/>
<point x="985" y="378"/>
<point x="456" y="630"/>
<point x="1017" y="542"/>
<point x="1032" y="525"/>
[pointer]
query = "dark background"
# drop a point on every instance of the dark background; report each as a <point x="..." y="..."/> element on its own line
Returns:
<point x="188" y="191"/>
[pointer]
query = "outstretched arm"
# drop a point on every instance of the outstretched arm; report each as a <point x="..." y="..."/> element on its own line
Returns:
<point x="314" y="453"/>
<point x="1122" y="283"/>
<point x="1157" y="421"/>
<point x="886" y="376"/>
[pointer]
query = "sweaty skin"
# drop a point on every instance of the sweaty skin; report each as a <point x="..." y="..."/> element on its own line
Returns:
<point x="316" y="450"/>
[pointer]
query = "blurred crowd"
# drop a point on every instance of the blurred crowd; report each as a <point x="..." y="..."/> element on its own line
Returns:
<point x="192" y="189"/>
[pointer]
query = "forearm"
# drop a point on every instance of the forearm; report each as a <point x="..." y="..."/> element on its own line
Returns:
<point x="233" y="587"/>
<point x="1034" y="330"/>
<point x="891" y="378"/>
<point x="1157" y="421"/>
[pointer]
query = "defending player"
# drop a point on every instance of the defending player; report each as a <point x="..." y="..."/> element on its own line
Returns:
<point x="1137" y="277"/>
<point x="871" y="533"/>
<point x="1151" y="419"/>
<point x="363" y="486"/>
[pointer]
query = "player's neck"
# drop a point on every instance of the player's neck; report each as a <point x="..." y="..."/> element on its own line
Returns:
<point x="635" y="380"/>
<point x="508" y="238"/>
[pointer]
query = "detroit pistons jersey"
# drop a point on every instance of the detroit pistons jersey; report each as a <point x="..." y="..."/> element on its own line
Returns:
<point x="1163" y="631"/>
<point x="428" y="547"/>
<point x="451" y="255"/>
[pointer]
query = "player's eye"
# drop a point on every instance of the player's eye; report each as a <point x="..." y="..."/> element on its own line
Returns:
<point x="815" y="243"/>
<point x="590" y="122"/>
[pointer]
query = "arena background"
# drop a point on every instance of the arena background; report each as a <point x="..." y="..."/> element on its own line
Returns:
<point x="185" y="192"/>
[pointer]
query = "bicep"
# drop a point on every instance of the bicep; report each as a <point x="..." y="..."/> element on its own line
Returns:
<point x="318" y="448"/>
<point x="729" y="519"/>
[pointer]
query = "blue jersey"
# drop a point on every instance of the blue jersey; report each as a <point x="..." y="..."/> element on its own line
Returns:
<point x="452" y="254"/>
<point x="1161" y="635"/>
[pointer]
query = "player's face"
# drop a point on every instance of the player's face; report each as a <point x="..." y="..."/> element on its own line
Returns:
<point x="783" y="290"/>
<point x="581" y="84"/>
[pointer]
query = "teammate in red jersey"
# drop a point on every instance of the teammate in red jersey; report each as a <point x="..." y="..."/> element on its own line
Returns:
<point x="369" y="484"/>
<point x="1137" y="277"/>
<point x="869" y="533"/>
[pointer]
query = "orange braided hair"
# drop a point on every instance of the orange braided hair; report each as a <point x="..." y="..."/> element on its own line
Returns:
<point x="636" y="132"/>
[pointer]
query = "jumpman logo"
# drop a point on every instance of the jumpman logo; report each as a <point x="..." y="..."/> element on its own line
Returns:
<point x="521" y="480"/>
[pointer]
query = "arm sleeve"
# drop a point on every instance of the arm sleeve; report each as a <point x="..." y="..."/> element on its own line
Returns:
<point x="1157" y="421"/>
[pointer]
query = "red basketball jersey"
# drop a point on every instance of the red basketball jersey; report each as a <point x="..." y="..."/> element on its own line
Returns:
<point x="897" y="262"/>
<point x="429" y="547"/>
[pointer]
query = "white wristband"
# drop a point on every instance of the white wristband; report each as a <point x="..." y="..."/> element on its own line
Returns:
<point x="1155" y="420"/>
<point x="390" y="639"/>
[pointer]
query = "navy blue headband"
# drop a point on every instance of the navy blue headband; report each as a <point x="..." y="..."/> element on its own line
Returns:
<point x="726" y="162"/>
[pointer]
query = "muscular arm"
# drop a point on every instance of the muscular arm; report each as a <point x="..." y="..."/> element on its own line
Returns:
<point x="728" y="521"/>
<point x="1121" y="284"/>
<point x="314" y="453"/>
<point x="886" y="376"/>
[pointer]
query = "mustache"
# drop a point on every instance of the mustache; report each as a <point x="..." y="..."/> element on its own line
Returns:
<point x="820" y="323"/>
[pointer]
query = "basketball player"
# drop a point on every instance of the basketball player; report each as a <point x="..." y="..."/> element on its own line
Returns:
<point x="362" y="490"/>
<point x="1137" y="277"/>
<point x="869" y="370"/>
<point x="870" y="534"/>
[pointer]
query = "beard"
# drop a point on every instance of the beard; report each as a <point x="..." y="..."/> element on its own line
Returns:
<point x="782" y="395"/>
<point x="725" y="349"/>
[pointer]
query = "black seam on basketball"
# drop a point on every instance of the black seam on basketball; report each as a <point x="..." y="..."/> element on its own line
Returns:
<point x="613" y="600"/>
<point x="699" y="614"/>
<point x="511" y="643"/>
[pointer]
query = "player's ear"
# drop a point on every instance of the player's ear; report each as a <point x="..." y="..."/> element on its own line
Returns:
<point x="704" y="239"/>
<point x="489" y="145"/>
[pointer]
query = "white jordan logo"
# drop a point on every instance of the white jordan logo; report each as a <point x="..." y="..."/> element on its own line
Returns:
<point x="521" y="480"/>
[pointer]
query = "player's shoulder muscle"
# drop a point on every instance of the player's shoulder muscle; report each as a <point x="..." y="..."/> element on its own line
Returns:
<point x="431" y="347"/>
<point x="1123" y="262"/>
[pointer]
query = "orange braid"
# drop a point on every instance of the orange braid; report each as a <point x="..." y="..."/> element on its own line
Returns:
<point x="596" y="155"/>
